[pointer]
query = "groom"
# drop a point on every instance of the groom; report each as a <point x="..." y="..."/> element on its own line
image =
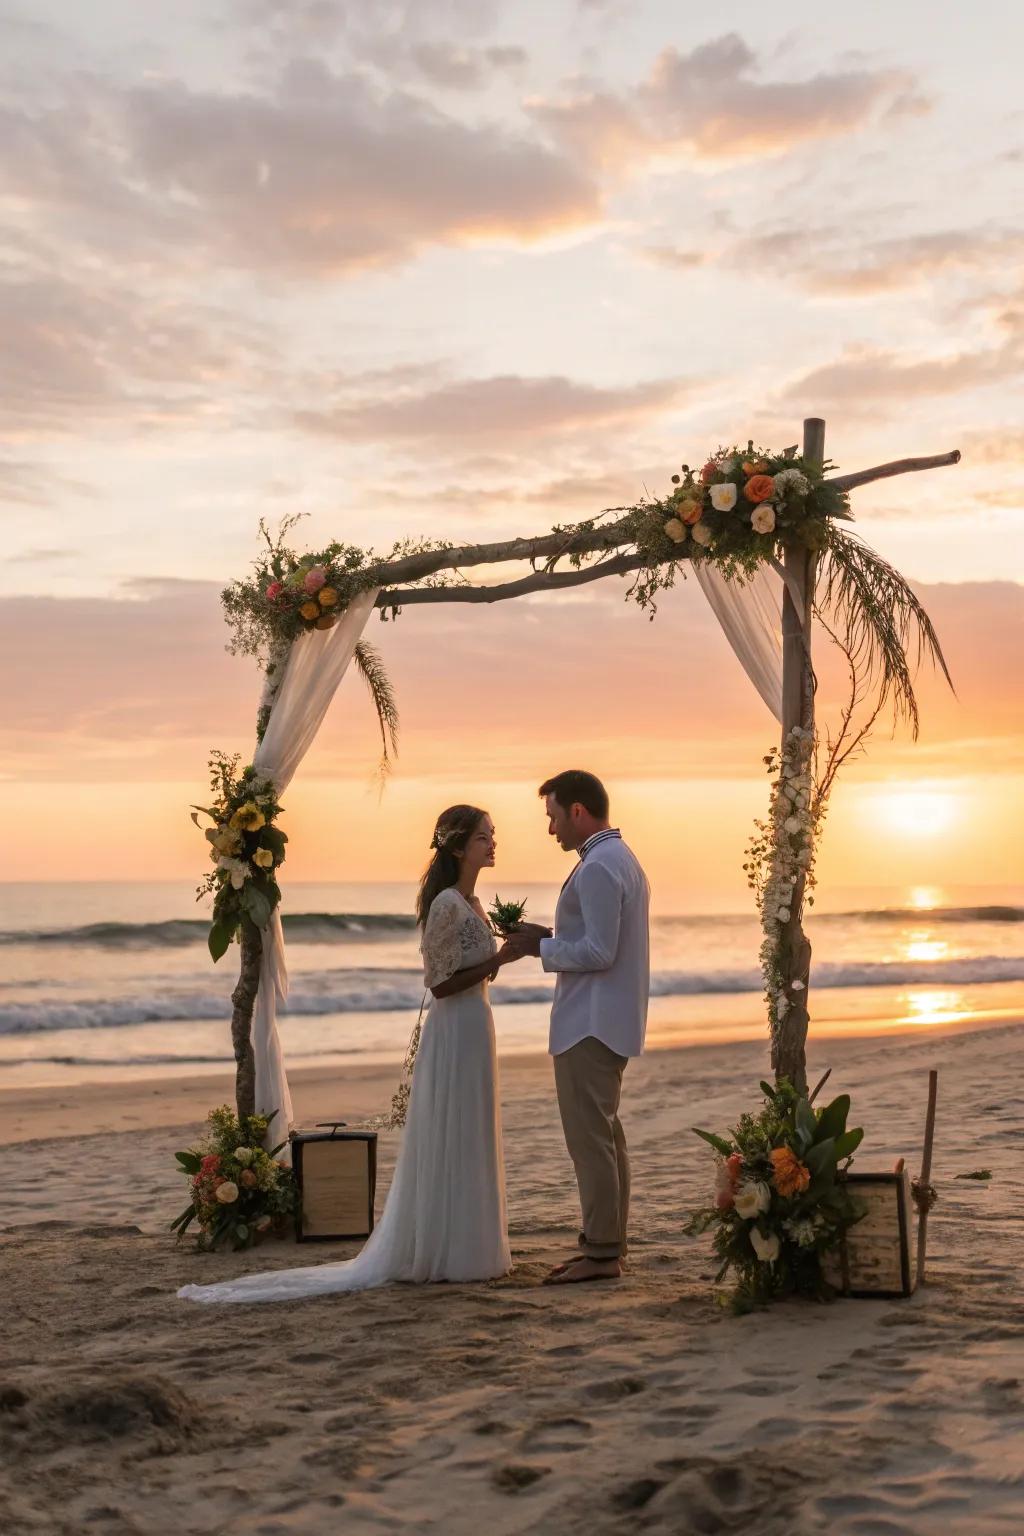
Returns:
<point x="599" y="951"/>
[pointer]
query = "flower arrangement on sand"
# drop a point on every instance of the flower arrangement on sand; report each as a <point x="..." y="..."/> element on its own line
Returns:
<point x="238" y="1190"/>
<point x="779" y="1199"/>
<point x="245" y="847"/>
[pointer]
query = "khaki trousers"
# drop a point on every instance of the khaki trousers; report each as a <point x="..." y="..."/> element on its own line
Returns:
<point x="588" y="1080"/>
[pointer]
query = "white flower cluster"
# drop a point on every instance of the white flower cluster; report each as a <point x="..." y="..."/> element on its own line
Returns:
<point x="791" y="478"/>
<point x="803" y="1230"/>
<point x="790" y="857"/>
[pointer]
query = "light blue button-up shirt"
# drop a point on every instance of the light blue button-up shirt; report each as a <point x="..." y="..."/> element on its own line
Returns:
<point x="600" y="950"/>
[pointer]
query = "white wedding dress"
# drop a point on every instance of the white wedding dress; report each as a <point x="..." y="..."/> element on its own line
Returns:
<point x="444" y="1217"/>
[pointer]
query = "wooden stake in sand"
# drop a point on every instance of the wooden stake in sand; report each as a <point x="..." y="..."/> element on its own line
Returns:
<point x="926" y="1174"/>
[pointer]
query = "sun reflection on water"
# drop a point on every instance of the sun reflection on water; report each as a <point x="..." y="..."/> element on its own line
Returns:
<point x="934" y="1007"/>
<point x="922" y="946"/>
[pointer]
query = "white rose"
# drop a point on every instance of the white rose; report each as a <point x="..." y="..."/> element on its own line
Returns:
<point x="243" y="1155"/>
<point x="783" y="914"/>
<point x="238" y="870"/>
<point x="762" y="519"/>
<point x="701" y="534"/>
<point x="766" y="1248"/>
<point x="797" y="986"/>
<point x="723" y="497"/>
<point x="752" y="1199"/>
<point x="793" y="825"/>
<point x="676" y="530"/>
<point x="227" y="1193"/>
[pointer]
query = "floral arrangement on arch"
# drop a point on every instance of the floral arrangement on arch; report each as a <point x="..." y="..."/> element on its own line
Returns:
<point x="779" y="1198"/>
<point x="780" y="860"/>
<point x="238" y="1191"/>
<point x="740" y="504"/>
<point x="245" y="846"/>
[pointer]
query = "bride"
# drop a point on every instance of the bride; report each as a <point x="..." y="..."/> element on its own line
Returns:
<point x="444" y="1217"/>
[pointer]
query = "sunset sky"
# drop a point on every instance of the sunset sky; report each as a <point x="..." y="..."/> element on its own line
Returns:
<point x="465" y="269"/>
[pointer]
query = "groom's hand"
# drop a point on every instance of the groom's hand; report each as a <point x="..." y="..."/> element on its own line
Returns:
<point x="526" y="938"/>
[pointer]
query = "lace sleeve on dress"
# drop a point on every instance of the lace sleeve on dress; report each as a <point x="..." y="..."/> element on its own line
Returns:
<point x="441" y="947"/>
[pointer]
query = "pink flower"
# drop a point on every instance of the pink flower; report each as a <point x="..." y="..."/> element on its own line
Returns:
<point x="274" y="590"/>
<point x="315" y="579"/>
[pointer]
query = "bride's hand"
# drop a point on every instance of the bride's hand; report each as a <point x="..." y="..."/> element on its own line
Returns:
<point x="509" y="952"/>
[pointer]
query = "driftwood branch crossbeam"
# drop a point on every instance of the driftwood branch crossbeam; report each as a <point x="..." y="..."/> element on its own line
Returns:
<point x="557" y="546"/>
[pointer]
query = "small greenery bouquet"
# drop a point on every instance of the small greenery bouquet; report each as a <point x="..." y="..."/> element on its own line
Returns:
<point x="506" y="916"/>
<point x="245" y="846"/>
<point x="780" y="1202"/>
<point x="239" y="1191"/>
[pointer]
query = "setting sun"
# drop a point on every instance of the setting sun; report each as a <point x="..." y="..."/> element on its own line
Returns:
<point x="916" y="812"/>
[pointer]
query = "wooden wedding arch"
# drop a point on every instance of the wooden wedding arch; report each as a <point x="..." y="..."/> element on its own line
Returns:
<point x="411" y="578"/>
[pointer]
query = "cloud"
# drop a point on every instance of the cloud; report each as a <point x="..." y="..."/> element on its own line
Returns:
<point x="675" y="258"/>
<point x="501" y="407"/>
<point x="465" y="69"/>
<point x="90" y="351"/>
<point x="140" y="686"/>
<point x="836" y="261"/>
<point x="325" y="173"/>
<point x="709" y="105"/>
<point x="857" y="381"/>
<point x="29" y="483"/>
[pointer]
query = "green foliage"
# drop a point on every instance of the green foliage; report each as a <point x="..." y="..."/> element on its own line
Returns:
<point x="506" y="916"/>
<point x="780" y="1200"/>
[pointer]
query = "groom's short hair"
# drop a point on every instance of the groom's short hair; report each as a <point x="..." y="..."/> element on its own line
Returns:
<point x="575" y="786"/>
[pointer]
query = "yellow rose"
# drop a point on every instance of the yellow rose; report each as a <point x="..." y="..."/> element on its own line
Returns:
<point x="263" y="857"/>
<point x="248" y="817"/>
<point x="675" y="530"/>
<point x="310" y="610"/>
<point x="328" y="597"/>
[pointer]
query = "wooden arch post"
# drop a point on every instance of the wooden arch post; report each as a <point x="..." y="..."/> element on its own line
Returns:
<point x="789" y="1042"/>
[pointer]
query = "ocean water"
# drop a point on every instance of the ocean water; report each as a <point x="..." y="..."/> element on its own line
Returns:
<point x="105" y="981"/>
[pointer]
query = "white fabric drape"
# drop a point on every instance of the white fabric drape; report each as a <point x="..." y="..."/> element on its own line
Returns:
<point x="316" y="664"/>
<point x="751" y="618"/>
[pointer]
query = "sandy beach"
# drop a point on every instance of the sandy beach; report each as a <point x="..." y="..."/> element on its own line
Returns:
<point x="634" y="1406"/>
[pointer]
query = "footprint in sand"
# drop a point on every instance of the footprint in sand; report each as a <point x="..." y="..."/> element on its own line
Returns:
<point x="515" y="1477"/>
<point x="617" y="1387"/>
<point x="553" y="1437"/>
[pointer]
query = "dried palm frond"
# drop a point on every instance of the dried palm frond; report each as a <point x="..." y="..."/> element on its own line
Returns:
<point x="372" y="671"/>
<point x="886" y="632"/>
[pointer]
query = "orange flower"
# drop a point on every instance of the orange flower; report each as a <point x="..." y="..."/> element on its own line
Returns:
<point x="310" y="610"/>
<point x="754" y="467"/>
<point x="791" y="1176"/>
<point x="759" y="488"/>
<point x="689" y="511"/>
<point x="328" y="597"/>
<point x="709" y="471"/>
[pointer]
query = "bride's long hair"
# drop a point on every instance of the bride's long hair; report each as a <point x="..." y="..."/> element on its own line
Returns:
<point x="454" y="828"/>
